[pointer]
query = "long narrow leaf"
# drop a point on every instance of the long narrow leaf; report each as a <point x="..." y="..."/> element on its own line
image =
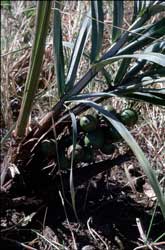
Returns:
<point x="140" y="6"/>
<point x="155" y="72"/>
<point x="111" y="52"/>
<point x="153" y="96"/>
<point x="139" y="85"/>
<point x="58" y="50"/>
<point x="122" y="71"/>
<point x="152" y="57"/>
<point x="156" y="99"/>
<point x="147" y="97"/>
<point x="107" y="76"/>
<point x="124" y="90"/>
<point x="116" y="48"/>
<point x="118" y="12"/>
<point x="139" y="41"/>
<point x="97" y="28"/>
<point x="155" y="47"/>
<point x="135" y="11"/>
<point x="91" y="95"/>
<point x="144" y="163"/>
<point x="78" y="51"/>
<point x="150" y="7"/>
<point x="42" y="22"/>
<point x="157" y="92"/>
<point x="74" y="140"/>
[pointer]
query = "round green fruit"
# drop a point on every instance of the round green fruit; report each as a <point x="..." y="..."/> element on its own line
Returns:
<point x="110" y="108"/>
<point x="108" y="149"/>
<point x="88" y="123"/>
<point x="94" y="139"/>
<point x="128" y="117"/>
<point x="78" y="152"/>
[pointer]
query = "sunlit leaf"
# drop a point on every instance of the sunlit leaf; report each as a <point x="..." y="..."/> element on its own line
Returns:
<point x="41" y="28"/>
<point x="78" y="50"/>
<point x="152" y="57"/>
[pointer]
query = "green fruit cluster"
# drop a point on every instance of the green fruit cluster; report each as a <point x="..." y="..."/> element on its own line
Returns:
<point x="94" y="132"/>
<point x="95" y="138"/>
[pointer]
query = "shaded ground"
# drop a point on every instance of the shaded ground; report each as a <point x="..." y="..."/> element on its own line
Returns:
<point x="107" y="210"/>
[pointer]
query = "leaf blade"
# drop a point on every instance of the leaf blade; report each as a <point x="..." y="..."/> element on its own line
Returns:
<point x="58" y="50"/>
<point x="147" y="97"/>
<point x="71" y="179"/>
<point x="97" y="28"/>
<point x="42" y="22"/>
<point x="78" y="49"/>
<point x="138" y="41"/>
<point x="151" y="56"/>
<point x="118" y="13"/>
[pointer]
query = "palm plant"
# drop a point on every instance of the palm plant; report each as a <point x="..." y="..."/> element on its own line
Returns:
<point x="143" y="42"/>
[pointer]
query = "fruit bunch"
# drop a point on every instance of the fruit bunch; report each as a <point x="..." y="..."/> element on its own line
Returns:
<point x="95" y="133"/>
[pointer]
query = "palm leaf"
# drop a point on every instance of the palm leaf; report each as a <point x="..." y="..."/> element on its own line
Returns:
<point x="139" y="41"/>
<point x="78" y="49"/>
<point x="122" y="71"/>
<point x="155" y="47"/>
<point x="155" y="57"/>
<point x="146" y="95"/>
<point x="152" y="57"/>
<point x="74" y="140"/>
<point x="97" y="28"/>
<point x="58" y="50"/>
<point x="141" y="7"/>
<point x="156" y="92"/>
<point x="155" y="99"/>
<point x="42" y="22"/>
<point x="118" y="12"/>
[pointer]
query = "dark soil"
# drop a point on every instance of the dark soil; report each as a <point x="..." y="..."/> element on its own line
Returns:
<point x="106" y="207"/>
